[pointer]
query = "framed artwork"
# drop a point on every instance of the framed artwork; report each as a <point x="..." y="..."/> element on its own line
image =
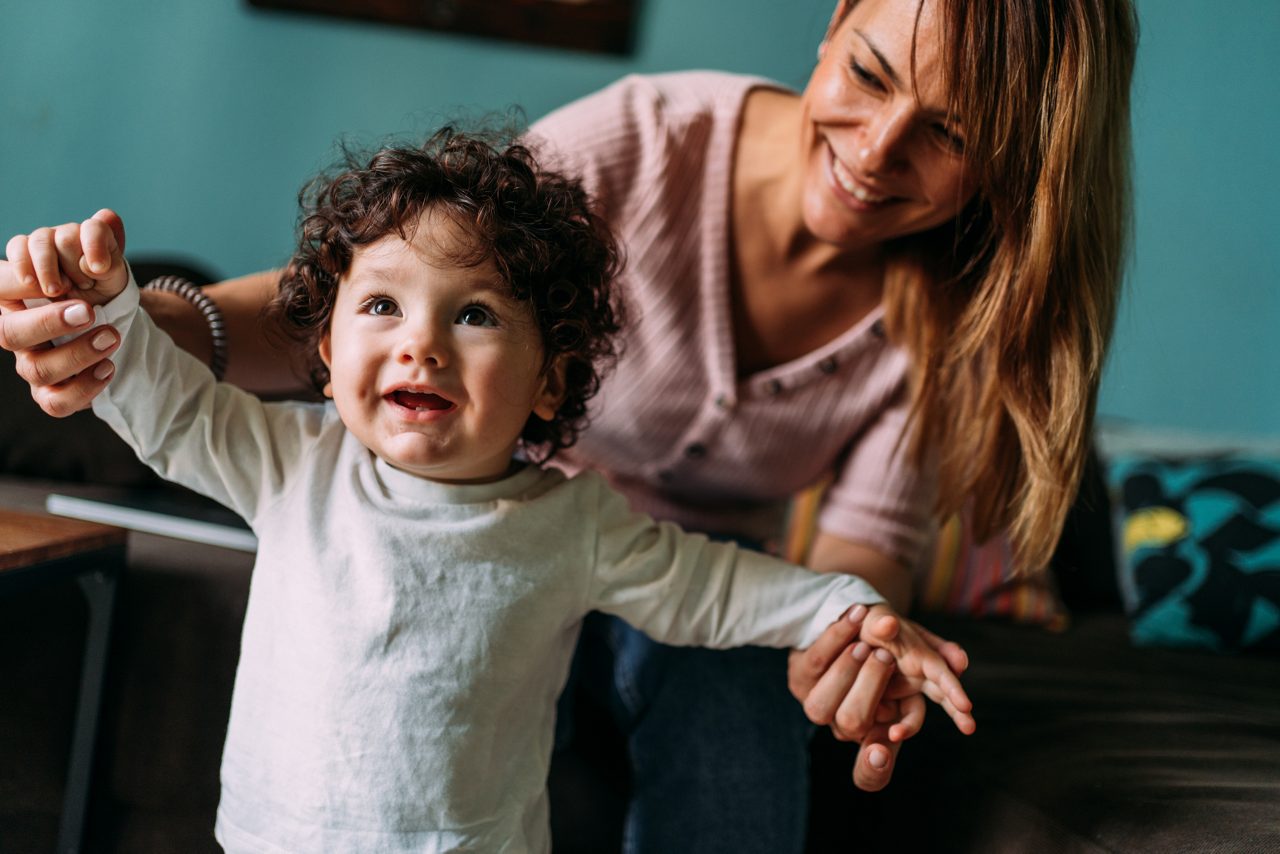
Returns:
<point x="603" y="26"/>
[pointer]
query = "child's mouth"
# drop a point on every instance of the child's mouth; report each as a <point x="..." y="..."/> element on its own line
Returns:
<point x="419" y="401"/>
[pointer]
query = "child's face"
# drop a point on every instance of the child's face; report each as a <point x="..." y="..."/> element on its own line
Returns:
<point x="434" y="366"/>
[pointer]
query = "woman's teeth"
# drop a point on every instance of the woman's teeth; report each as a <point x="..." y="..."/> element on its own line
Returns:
<point x="852" y="187"/>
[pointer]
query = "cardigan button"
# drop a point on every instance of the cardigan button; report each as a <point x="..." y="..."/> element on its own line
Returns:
<point x="773" y="387"/>
<point x="828" y="365"/>
<point x="695" y="451"/>
<point x="877" y="329"/>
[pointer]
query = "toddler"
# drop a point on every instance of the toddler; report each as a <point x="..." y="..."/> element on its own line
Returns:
<point x="421" y="575"/>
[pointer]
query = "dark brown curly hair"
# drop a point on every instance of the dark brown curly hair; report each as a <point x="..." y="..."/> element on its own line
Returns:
<point x="536" y="224"/>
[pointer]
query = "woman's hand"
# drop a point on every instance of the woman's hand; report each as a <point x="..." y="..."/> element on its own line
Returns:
<point x="866" y="677"/>
<point x="58" y="264"/>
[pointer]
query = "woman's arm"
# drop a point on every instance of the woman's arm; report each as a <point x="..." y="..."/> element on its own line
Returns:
<point x="253" y="361"/>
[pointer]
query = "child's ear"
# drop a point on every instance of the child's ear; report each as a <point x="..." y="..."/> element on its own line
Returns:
<point x="549" y="398"/>
<point x="326" y="355"/>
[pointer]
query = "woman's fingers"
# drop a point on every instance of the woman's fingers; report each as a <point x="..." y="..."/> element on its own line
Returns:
<point x="828" y="694"/>
<point x="76" y="393"/>
<point x="912" y="711"/>
<point x="54" y="366"/>
<point x="806" y="668"/>
<point x="856" y="715"/>
<point x="23" y="328"/>
<point x="873" y="767"/>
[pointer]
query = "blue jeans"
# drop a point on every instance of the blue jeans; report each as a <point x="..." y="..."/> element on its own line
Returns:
<point x="717" y="746"/>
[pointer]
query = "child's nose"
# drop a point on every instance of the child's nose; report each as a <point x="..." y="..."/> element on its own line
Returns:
<point x="423" y="348"/>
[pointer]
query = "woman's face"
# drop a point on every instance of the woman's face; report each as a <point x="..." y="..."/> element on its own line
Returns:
<point x="882" y="157"/>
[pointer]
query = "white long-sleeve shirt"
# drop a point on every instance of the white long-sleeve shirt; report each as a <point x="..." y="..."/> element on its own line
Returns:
<point x="405" y="640"/>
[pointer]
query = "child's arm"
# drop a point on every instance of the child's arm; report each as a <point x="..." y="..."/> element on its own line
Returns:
<point x="210" y="437"/>
<point x="682" y="589"/>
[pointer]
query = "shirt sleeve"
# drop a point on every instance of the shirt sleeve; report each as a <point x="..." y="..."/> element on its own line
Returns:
<point x="211" y="437"/>
<point x="880" y="498"/>
<point x="683" y="589"/>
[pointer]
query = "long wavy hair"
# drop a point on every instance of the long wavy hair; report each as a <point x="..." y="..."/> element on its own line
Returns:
<point x="1007" y="312"/>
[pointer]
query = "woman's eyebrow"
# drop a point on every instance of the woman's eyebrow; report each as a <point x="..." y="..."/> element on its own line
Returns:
<point x="884" y="62"/>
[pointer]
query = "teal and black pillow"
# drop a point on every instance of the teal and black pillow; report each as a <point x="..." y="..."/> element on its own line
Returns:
<point x="1200" y="541"/>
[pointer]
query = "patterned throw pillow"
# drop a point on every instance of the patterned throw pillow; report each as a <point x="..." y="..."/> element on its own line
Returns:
<point x="958" y="575"/>
<point x="1200" y="538"/>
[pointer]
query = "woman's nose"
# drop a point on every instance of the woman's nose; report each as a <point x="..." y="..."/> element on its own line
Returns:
<point x="882" y="149"/>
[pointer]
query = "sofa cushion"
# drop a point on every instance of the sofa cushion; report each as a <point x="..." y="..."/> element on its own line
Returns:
<point x="1201" y="549"/>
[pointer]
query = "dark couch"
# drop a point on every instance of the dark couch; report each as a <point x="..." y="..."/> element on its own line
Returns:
<point x="1084" y="742"/>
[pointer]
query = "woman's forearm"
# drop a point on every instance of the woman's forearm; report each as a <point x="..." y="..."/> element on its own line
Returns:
<point x="254" y="361"/>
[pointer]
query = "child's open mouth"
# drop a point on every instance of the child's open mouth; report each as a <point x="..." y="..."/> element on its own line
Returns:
<point x="419" y="401"/>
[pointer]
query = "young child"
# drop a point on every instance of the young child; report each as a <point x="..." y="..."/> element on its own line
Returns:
<point x="421" y="579"/>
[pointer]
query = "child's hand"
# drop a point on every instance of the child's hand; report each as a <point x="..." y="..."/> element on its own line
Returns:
<point x="923" y="663"/>
<point x="82" y="260"/>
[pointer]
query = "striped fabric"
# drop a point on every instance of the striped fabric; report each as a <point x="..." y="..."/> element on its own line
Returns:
<point x="958" y="576"/>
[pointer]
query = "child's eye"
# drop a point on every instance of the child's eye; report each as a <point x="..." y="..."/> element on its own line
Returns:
<point x="380" y="307"/>
<point x="476" y="315"/>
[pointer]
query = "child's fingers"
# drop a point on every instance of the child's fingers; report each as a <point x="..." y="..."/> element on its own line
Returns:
<point x="937" y="671"/>
<point x="17" y="276"/>
<point x="857" y="712"/>
<point x="66" y="239"/>
<point x="112" y="221"/>
<point x="957" y="659"/>
<point x="962" y="718"/>
<point x="44" y="262"/>
<point x="911" y="718"/>
<point x="100" y="248"/>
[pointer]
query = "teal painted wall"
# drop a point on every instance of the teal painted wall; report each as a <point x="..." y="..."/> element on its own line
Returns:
<point x="1198" y="339"/>
<point x="199" y="119"/>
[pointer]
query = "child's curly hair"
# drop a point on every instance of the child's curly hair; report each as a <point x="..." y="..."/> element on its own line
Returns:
<point x="536" y="224"/>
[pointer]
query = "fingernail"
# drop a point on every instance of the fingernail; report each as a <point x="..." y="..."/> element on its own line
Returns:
<point x="77" y="314"/>
<point x="878" y="759"/>
<point x="857" y="613"/>
<point x="104" y="370"/>
<point x="98" y="266"/>
<point x="102" y="341"/>
<point x="885" y="656"/>
<point x="861" y="650"/>
<point x="86" y="286"/>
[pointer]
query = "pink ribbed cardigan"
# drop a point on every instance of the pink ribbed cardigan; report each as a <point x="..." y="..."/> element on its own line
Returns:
<point x="674" y="427"/>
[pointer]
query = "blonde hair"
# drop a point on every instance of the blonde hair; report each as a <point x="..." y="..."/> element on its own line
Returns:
<point x="1008" y="311"/>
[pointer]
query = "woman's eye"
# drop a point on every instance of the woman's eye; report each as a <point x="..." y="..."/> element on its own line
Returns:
<point x="382" y="307"/>
<point x="865" y="76"/>
<point x="949" y="138"/>
<point x="474" y="315"/>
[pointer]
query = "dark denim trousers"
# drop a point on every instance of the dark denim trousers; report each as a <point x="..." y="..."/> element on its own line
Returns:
<point x="717" y="746"/>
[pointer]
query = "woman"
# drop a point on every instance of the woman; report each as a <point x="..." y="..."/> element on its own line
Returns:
<point x="903" y="278"/>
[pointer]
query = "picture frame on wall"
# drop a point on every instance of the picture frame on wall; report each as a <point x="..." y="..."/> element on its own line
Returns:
<point x="601" y="26"/>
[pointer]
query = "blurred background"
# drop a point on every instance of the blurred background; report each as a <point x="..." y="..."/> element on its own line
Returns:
<point x="198" y="120"/>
